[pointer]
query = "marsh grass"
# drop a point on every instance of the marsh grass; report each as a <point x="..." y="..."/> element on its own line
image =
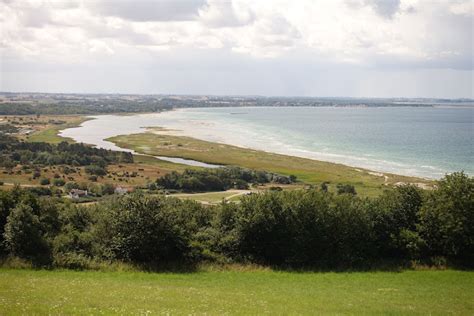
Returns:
<point x="307" y="170"/>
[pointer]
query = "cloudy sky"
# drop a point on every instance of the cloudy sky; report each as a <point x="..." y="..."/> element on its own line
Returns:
<point x="360" y="48"/>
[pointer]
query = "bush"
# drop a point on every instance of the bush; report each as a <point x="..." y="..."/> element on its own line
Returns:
<point x="44" y="181"/>
<point x="71" y="185"/>
<point x="345" y="189"/>
<point x="95" y="170"/>
<point x="107" y="189"/>
<point x="59" y="182"/>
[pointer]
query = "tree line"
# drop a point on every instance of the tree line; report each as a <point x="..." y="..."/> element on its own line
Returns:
<point x="219" y="179"/>
<point x="13" y="152"/>
<point x="299" y="228"/>
<point x="82" y="108"/>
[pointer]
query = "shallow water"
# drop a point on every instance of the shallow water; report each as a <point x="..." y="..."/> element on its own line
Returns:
<point x="419" y="141"/>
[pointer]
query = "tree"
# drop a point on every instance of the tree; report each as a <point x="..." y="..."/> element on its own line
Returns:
<point x="24" y="236"/>
<point x="447" y="218"/>
<point x="145" y="229"/>
<point x="395" y="220"/>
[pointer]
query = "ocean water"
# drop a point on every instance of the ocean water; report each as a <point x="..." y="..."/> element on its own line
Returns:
<point x="420" y="141"/>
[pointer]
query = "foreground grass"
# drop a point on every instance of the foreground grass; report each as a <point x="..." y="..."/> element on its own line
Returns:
<point x="232" y="292"/>
<point x="307" y="170"/>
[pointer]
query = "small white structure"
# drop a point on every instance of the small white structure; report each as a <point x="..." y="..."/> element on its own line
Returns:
<point x="121" y="190"/>
<point x="76" y="193"/>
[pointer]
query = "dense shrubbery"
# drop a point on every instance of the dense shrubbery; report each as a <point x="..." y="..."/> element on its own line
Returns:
<point x="300" y="228"/>
<point x="13" y="152"/>
<point x="219" y="179"/>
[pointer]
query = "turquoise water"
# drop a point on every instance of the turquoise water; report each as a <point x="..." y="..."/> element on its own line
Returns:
<point x="420" y="141"/>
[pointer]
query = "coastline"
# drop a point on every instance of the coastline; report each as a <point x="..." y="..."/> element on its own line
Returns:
<point x="240" y="136"/>
<point x="175" y="125"/>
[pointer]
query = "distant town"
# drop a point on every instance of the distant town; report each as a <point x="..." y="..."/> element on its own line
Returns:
<point x="13" y="103"/>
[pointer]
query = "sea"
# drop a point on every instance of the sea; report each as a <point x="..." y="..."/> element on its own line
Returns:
<point x="427" y="142"/>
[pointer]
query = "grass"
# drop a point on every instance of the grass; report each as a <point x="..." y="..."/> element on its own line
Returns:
<point x="49" y="133"/>
<point x="236" y="292"/>
<point x="212" y="197"/>
<point x="148" y="169"/>
<point x="307" y="170"/>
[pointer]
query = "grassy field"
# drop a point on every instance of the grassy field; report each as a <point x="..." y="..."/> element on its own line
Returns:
<point x="49" y="133"/>
<point x="236" y="292"/>
<point x="213" y="197"/>
<point x="307" y="170"/>
<point x="147" y="170"/>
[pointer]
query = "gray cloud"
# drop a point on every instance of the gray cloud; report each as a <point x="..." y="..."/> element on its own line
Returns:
<point x="386" y="8"/>
<point x="149" y="10"/>
<point x="38" y="17"/>
<point x="364" y="48"/>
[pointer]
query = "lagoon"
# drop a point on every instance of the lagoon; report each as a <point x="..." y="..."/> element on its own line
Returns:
<point x="417" y="141"/>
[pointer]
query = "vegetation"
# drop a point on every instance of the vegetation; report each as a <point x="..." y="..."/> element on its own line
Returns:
<point x="49" y="134"/>
<point x="299" y="228"/>
<point x="236" y="292"/>
<point x="91" y="107"/>
<point x="219" y="179"/>
<point x="307" y="170"/>
<point x="13" y="152"/>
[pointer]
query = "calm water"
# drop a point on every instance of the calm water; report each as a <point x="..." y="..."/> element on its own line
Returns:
<point x="426" y="142"/>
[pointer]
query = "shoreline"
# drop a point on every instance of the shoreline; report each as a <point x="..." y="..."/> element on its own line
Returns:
<point x="158" y="130"/>
<point x="292" y="151"/>
<point x="195" y="129"/>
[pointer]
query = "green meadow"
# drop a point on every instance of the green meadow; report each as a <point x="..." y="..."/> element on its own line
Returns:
<point x="236" y="292"/>
<point x="50" y="133"/>
<point x="307" y="170"/>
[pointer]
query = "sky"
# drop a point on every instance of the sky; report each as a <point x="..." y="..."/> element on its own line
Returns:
<point x="350" y="48"/>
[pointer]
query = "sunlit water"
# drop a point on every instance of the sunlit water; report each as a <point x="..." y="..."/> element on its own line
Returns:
<point x="420" y="141"/>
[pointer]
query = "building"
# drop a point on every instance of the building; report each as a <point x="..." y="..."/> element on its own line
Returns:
<point x="76" y="193"/>
<point x="121" y="190"/>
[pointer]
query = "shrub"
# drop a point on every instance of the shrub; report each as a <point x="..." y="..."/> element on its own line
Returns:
<point x="345" y="189"/>
<point x="59" y="182"/>
<point x="71" y="185"/>
<point x="95" y="170"/>
<point x="44" y="181"/>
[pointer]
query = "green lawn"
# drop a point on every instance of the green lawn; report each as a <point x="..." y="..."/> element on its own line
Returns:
<point x="307" y="170"/>
<point x="257" y="292"/>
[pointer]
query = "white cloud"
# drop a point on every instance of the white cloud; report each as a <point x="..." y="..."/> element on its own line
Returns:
<point x="371" y="34"/>
<point x="148" y="10"/>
